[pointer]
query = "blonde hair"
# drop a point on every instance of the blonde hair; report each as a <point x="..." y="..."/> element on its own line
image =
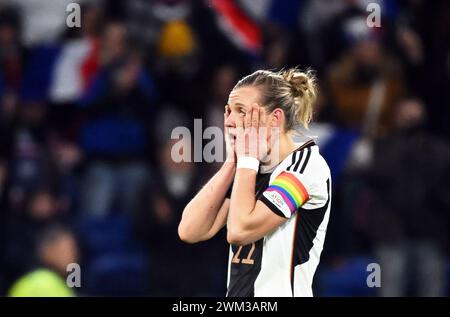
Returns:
<point x="292" y="90"/>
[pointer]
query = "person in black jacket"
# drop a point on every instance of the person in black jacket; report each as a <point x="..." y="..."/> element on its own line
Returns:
<point x="409" y="219"/>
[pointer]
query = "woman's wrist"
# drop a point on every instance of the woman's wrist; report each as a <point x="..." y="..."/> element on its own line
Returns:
<point x="248" y="162"/>
<point x="229" y="164"/>
<point x="231" y="159"/>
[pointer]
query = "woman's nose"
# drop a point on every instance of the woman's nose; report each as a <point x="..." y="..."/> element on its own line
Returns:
<point x="230" y="122"/>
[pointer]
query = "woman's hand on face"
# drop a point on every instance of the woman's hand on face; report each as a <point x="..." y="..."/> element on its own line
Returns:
<point x="229" y="139"/>
<point x="252" y="134"/>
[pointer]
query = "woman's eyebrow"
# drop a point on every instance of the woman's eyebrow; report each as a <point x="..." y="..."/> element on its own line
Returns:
<point x="237" y="104"/>
<point x="241" y="105"/>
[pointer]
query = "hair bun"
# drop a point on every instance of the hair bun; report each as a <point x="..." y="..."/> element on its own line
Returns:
<point x="303" y="90"/>
<point x="303" y="84"/>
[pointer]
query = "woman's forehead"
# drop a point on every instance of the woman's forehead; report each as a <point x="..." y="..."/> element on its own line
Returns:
<point x="244" y="96"/>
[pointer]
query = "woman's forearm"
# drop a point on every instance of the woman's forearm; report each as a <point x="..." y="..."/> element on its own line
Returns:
<point x="201" y="212"/>
<point x="242" y="200"/>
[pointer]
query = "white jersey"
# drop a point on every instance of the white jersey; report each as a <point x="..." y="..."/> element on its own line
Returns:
<point x="283" y="263"/>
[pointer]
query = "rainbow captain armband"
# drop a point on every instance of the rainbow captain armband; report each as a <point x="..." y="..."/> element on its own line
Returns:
<point x="287" y="192"/>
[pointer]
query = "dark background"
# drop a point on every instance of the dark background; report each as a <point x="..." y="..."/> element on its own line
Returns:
<point x="86" y="115"/>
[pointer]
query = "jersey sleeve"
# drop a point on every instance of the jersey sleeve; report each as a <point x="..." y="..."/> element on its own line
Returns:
<point x="286" y="193"/>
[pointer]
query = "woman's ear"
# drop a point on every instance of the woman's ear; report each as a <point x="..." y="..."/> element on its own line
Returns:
<point x="277" y="117"/>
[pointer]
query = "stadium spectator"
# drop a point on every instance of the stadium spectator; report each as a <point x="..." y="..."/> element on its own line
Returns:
<point x="366" y="82"/>
<point x="115" y="137"/>
<point x="409" y="218"/>
<point x="25" y="226"/>
<point x="55" y="250"/>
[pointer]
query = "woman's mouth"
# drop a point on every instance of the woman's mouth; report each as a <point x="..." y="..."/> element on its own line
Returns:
<point x="232" y="134"/>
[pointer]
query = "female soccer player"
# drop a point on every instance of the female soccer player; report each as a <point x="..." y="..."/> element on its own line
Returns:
<point x="273" y="195"/>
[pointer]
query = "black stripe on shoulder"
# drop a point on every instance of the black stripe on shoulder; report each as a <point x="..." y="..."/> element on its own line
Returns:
<point x="298" y="161"/>
<point x="308" y="154"/>
<point x="293" y="161"/>
<point x="306" y="146"/>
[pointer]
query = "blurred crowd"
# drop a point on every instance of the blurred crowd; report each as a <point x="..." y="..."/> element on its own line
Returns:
<point x="86" y="115"/>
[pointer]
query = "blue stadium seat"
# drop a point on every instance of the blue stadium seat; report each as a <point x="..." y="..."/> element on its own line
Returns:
<point x="349" y="279"/>
<point x="99" y="235"/>
<point x="448" y="279"/>
<point x="117" y="274"/>
<point x="114" y="263"/>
